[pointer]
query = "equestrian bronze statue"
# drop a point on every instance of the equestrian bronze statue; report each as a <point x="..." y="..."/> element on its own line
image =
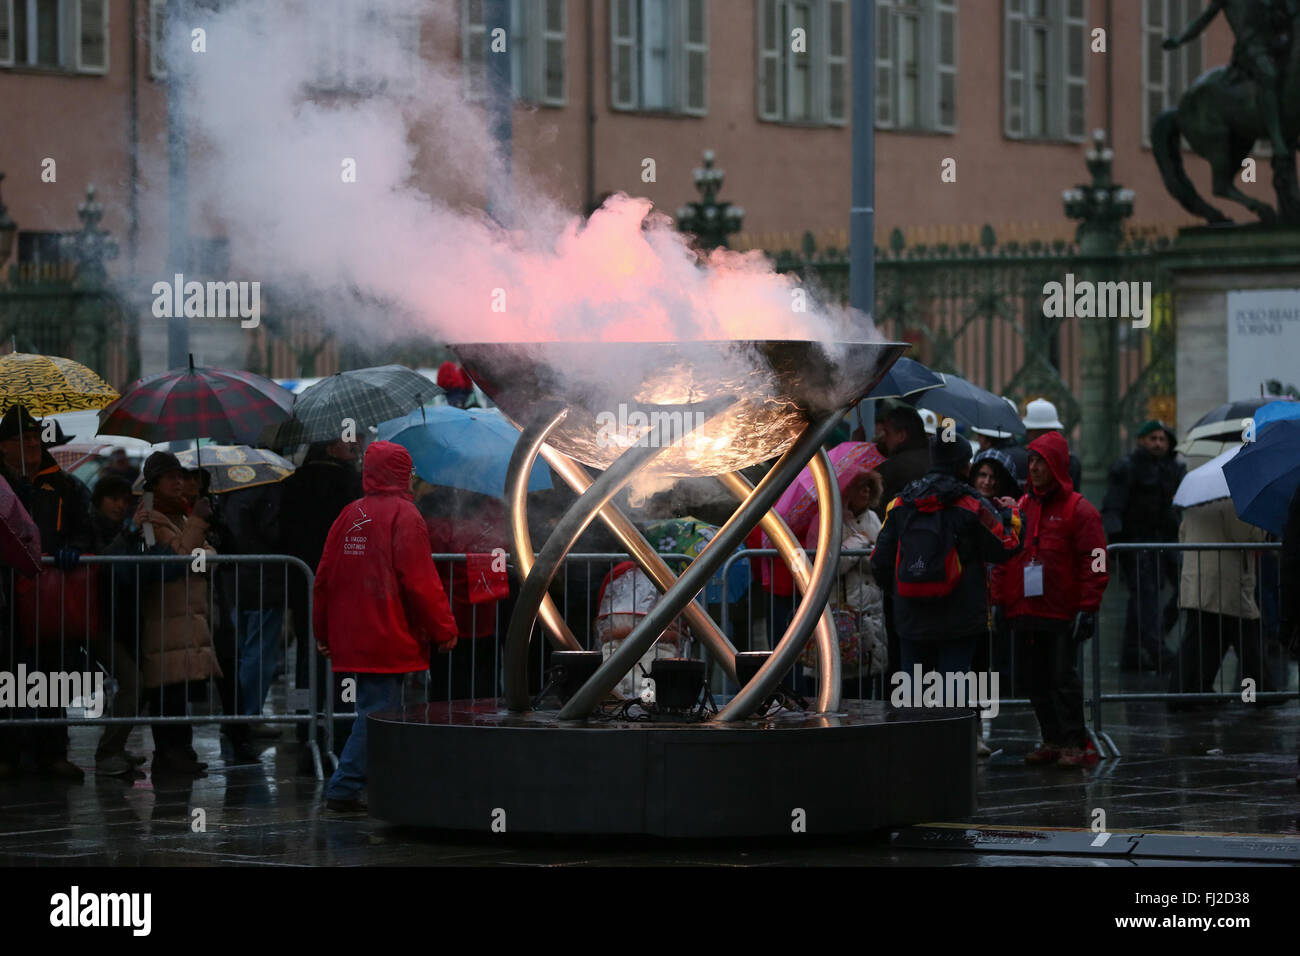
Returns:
<point x="1230" y="108"/>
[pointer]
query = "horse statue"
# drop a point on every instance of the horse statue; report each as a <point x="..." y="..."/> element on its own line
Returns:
<point x="1228" y="109"/>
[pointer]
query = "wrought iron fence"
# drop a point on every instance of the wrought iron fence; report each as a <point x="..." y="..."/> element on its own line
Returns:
<point x="977" y="310"/>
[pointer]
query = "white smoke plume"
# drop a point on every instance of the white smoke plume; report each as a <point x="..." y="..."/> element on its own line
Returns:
<point x="406" y="248"/>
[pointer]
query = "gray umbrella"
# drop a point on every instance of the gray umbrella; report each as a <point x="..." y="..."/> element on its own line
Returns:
<point x="364" y="396"/>
<point x="971" y="404"/>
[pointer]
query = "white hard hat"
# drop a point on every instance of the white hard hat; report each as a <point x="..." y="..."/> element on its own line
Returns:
<point x="1041" y="414"/>
<point x="931" y="421"/>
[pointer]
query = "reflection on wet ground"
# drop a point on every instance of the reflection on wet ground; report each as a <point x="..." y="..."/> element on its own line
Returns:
<point x="1227" y="769"/>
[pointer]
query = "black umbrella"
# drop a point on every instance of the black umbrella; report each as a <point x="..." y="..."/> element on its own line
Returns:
<point x="364" y="396"/>
<point x="1234" y="411"/>
<point x="971" y="404"/>
<point x="906" y="379"/>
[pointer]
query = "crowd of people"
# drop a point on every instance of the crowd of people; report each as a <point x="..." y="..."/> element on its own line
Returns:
<point x="982" y="558"/>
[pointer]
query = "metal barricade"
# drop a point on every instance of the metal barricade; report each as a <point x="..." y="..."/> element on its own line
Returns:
<point x="473" y="669"/>
<point x="163" y="640"/>
<point x="753" y="618"/>
<point x="1193" y="672"/>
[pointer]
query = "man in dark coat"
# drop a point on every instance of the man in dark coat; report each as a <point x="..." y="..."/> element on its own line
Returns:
<point x="20" y="552"/>
<point x="1139" y="506"/>
<point x="59" y="504"/>
<point x="311" y="498"/>
<point x="253" y="598"/>
<point x="906" y="447"/>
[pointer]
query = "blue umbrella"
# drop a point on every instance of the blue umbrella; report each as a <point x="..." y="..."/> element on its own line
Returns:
<point x="466" y="448"/>
<point x="906" y="378"/>
<point x="1264" y="475"/>
<point x="1275" y="412"/>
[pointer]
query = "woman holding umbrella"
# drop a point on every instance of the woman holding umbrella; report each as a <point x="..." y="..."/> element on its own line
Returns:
<point x="859" y="610"/>
<point x="176" y="654"/>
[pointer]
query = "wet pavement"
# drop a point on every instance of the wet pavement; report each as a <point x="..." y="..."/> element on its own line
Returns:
<point x="1226" y="768"/>
<point x="1230" y="769"/>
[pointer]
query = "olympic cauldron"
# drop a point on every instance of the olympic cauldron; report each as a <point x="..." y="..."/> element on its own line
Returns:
<point x="675" y="409"/>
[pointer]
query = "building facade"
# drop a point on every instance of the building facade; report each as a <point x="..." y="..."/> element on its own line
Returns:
<point x="625" y="95"/>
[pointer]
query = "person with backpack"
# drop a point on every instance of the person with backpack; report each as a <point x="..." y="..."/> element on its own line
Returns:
<point x="1049" y="595"/>
<point x="937" y="537"/>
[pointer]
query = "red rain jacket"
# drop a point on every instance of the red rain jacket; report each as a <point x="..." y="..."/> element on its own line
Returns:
<point x="378" y="601"/>
<point x="1062" y="530"/>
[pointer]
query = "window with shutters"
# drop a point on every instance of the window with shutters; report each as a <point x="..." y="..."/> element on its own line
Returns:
<point x="659" y="55"/>
<point x="157" y="39"/>
<point x="535" y="42"/>
<point x="6" y="32"/>
<point x="1166" y="74"/>
<point x="803" y="61"/>
<point x="69" y="35"/>
<point x="361" y="48"/>
<point x="1045" y="80"/>
<point x="916" y="64"/>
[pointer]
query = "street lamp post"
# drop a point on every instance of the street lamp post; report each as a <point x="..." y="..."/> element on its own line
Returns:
<point x="709" y="219"/>
<point x="8" y="229"/>
<point x="862" y="211"/>
<point x="1101" y="208"/>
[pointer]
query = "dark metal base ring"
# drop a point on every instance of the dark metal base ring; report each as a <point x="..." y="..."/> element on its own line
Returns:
<point x="474" y="766"/>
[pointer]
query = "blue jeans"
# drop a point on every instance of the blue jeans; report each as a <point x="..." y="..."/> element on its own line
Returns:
<point x="374" y="692"/>
<point x="952" y="656"/>
<point x="260" y="655"/>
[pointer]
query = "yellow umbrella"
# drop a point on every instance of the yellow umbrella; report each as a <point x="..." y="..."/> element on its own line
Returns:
<point x="49" y="384"/>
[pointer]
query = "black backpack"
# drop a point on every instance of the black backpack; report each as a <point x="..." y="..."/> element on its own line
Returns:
<point x="926" y="565"/>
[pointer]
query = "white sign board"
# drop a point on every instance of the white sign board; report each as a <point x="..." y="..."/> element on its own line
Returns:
<point x="1263" y="340"/>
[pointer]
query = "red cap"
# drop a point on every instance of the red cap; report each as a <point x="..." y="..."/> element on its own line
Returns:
<point x="451" y="376"/>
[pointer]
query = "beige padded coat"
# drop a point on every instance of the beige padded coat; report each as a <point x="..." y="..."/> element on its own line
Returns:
<point x="176" y="639"/>
<point x="1221" y="582"/>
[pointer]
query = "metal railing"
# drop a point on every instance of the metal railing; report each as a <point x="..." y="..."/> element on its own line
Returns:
<point x="249" y="637"/>
<point x="118" y="622"/>
<point x="1210" y="617"/>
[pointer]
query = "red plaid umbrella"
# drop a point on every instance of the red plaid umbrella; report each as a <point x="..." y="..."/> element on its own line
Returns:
<point x="222" y="404"/>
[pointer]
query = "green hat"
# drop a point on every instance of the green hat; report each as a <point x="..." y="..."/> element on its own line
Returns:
<point x="1151" y="425"/>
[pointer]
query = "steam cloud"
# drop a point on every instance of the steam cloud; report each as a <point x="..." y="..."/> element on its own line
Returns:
<point x="404" y="249"/>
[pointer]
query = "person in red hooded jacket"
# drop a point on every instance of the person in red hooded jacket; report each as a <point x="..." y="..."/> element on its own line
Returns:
<point x="1049" y="594"/>
<point x="379" y="604"/>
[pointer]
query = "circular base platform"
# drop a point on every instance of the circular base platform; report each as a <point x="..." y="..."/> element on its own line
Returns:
<point x="472" y="765"/>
